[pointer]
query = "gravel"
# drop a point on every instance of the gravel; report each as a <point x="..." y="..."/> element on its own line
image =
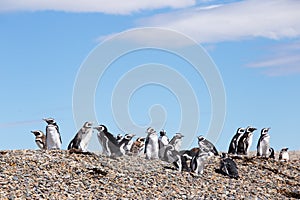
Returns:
<point x="59" y="174"/>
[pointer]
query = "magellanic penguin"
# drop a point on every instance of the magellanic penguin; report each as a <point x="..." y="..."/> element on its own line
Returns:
<point x="163" y="141"/>
<point x="198" y="161"/>
<point x="228" y="167"/>
<point x="126" y="143"/>
<point x="272" y="153"/>
<point x="138" y="146"/>
<point x="119" y="137"/>
<point x="245" y="141"/>
<point x="151" y="145"/>
<point x="207" y="146"/>
<point x="53" y="138"/>
<point x="234" y="141"/>
<point x="108" y="142"/>
<point x="186" y="156"/>
<point x="176" y="141"/>
<point x="263" y="144"/>
<point x="40" y="138"/>
<point x="284" y="155"/>
<point x="82" y="138"/>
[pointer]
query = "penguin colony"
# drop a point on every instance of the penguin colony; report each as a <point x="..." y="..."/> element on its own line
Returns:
<point x="155" y="146"/>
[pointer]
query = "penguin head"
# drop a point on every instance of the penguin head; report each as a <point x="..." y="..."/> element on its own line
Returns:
<point x="163" y="133"/>
<point x="150" y="131"/>
<point x="200" y="138"/>
<point x="37" y="133"/>
<point x="265" y="131"/>
<point x="49" y="120"/>
<point x="88" y="124"/>
<point x="240" y="130"/>
<point x="250" y="129"/>
<point x="129" y="136"/>
<point x="119" y="136"/>
<point x="284" y="149"/>
<point x="179" y="135"/>
<point x="141" y="139"/>
<point x="101" y="128"/>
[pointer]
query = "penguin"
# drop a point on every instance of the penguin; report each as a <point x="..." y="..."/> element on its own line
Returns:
<point x="138" y="146"/>
<point x="263" y="145"/>
<point x="82" y="138"/>
<point x="198" y="161"/>
<point x="151" y="145"/>
<point x="234" y="141"/>
<point x="119" y="137"/>
<point x="207" y="146"/>
<point x="272" y="153"/>
<point x="126" y="143"/>
<point x="245" y="141"/>
<point x="109" y="143"/>
<point x="284" y="155"/>
<point x="186" y="157"/>
<point x="163" y="141"/>
<point x="228" y="167"/>
<point x="176" y="141"/>
<point x="53" y="138"/>
<point x="40" y="138"/>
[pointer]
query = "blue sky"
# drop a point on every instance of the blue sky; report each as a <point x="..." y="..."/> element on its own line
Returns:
<point x="254" y="44"/>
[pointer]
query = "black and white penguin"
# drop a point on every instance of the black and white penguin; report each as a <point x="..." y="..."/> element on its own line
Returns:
<point x="40" y="138"/>
<point x="198" y="161"/>
<point x="53" y="138"/>
<point x="245" y="141"/>
<point x="263" y="145"/>
<point x="272" y="153"/>
<point x="176" y="141"/>
<point x="207" y="146"/>
<point x="126" y="143"/>
<point x="82" y="138"/>
<point x="151" y="145"/>
<point x="187" y="156"/>
<point x="138" y="146"/>
<point x="109" y="143"/>
<point x="228" y="167"/>
<point x="284" y="155"/>
<point x="163" y="141"/>
<point x="234" y="141"/>
<point x="119" y="137"/>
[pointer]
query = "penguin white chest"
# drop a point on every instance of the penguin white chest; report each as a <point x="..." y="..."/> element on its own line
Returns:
<point x="86" y="137"/>
<point x="53" y="138"/>
<point x="152" y="147"/>
<point x="265" y="146"/>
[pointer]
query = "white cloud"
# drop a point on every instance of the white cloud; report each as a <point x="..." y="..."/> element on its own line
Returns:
<point x="273" y="19"/>
<point x="103" y="6"/>
<point x="283" y="59"/>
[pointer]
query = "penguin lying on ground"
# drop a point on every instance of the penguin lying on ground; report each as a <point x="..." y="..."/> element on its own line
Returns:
<point x="228" y="167"/>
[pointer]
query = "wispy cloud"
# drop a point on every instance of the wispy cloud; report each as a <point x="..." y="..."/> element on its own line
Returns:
<point x="283" y="59"/>
<point x="103" y="6"/>
<point x="19" y="123"/>
<point x="273" y="19"/>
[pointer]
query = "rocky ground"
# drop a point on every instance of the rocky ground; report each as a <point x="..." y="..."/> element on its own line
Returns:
<point x="29" y="174"/>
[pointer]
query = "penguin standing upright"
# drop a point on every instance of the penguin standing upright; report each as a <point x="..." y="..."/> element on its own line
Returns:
<point x="263" y="145"/>
<point x="284" y="155"/>
<point x="163" y="141"/>
<point x="176" y="141"/>
<point x="82" y="138"/>
<point x="207" y="146"/>
<point x="234" y="141"/>
<point x="245" y="141"/>
<point x="109" y="143"/>
<point x="40" y="139"/>
<point x="198" y="161"/>
<point x="151" y="145"/>
<point x="53" y="138"/>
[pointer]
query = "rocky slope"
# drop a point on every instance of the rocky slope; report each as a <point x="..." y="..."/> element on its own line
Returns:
<point x="29" y="174"/>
